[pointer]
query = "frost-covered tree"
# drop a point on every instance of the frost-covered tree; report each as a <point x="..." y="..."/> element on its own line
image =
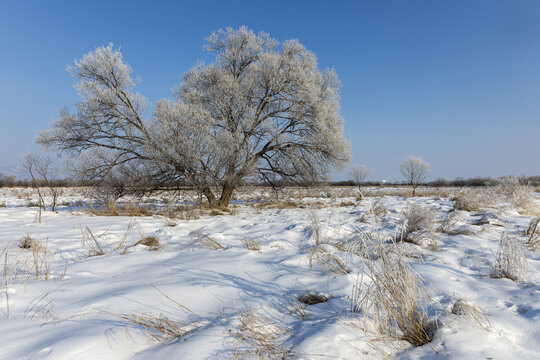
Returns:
<point x="260" y="109"/>
<point x="414" y="171"/>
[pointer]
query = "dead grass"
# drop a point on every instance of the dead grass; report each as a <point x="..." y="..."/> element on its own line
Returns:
<point x="90" y="241"/>
<point x="130" y="209"/>
<point x="312" y="298"/>
<point x="251" y="244"/>
<point x="204" y="241"/>
<point x="393" y="300"/>
<point x="262" y="336"/>
<point x="327" y="261"/>
<point x="472" y="312"/>
<point x="510" y="260"/>
<point x="27" y="242"/>
<point x="151" y="242"/>
<point x="416" y="223"/>
<point x="161" y="327"/>
<point x="450" y="225"/>
<point x="533" y="232"/>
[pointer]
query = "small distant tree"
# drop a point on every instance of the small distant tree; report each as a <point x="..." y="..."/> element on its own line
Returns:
<point x="42" y="174"/>
<point x="358" y="173"/>
<point x="414" y="171"/>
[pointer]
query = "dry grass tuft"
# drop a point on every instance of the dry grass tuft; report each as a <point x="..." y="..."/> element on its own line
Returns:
<point x="473" y="199"/>
<point x="533" y="232"/>
<point x="451" y="225"/>
<point x="510" y="259"/>
<point x="111" y="209"/>
<point x="90" y="241"/>
<point x="27" y="242"/>
<point x="462" y="308"/>
<point x="393" y="300"/>
<point x="204" y="241"/>
<point x="251" y="244"/>
<point x="417" y="222"/>
<point x="151" y="242"/>
<point x="262" y="336"/>
<point x="377" y="208"/>
<point x="311" y="298"/>
<point x="327" y="261"/>
<point x="161" y="327"/>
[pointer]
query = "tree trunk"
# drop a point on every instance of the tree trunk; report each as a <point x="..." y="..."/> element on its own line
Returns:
<point x="226" y="195"/>
<point x="212" y="201"/>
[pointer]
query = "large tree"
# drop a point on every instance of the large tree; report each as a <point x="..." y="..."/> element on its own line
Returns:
<point x="260" y="109"/>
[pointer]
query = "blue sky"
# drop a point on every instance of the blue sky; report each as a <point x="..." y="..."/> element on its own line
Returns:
<point x="456" y="83"/>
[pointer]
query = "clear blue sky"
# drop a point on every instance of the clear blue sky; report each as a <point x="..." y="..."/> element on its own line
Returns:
<point x="456" y="83"/>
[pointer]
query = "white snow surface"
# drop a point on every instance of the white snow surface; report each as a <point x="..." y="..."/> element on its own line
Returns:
<point x="76" y="312"/>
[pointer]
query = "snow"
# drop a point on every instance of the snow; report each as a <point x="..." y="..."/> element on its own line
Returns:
<point x="76" y="312"/>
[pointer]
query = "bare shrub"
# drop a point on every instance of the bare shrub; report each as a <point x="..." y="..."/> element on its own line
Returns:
<point x="510" y="259"/>
<point x="251" y="244"/>
<point x="263" y="337"/>
<point x="393" y="300"/>
<point x="417" y="222"/>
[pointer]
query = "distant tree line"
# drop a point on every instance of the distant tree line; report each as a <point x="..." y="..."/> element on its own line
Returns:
<point x="478" y="181"/>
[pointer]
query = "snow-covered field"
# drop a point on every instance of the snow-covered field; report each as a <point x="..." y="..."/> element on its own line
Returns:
<point x="82" y="289"/>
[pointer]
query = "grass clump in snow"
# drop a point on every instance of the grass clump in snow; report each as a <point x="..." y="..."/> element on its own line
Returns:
<point x="450" y="225"/>
<point x="417" y="222"/>
<point x="27" y="242"/>
<point x="261" y="336"/>
<point x="111" y="209"/>
<point x="312" y="298"/>
<point x="327" y="261"/>
<point x="472" y="312"/>
<point x="510" y="259"/>
<point x="533" y="232"/>
<point x="393" y="300"/>
<point x="204" y="241"/>
<point x="163" y="328"/>
<point x="151" y="242"/>
<point x="251" y="244"/>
